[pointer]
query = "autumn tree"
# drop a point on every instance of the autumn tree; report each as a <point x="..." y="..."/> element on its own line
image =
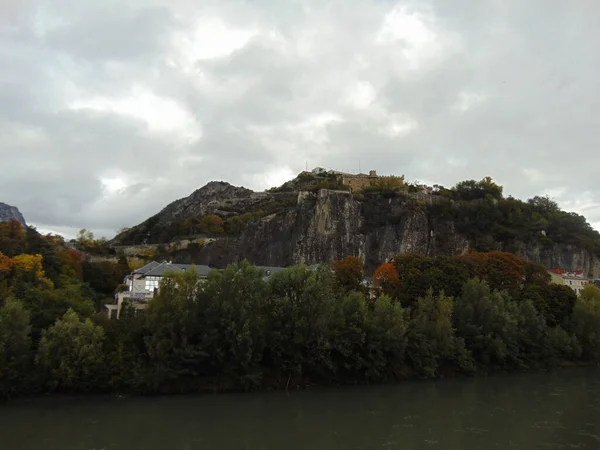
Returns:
<point x="501" y="270"/>
<point x="29" y="264"/>
<point x="72" y="261"/>
<point x="387" y="278"/>
<point x="85" y="239"/>
<point x="5" y="265"/>
<point x="87" y="242"/>
<point x="349" y="273"/>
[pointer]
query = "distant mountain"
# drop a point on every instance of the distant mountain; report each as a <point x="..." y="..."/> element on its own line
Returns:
<point x="8" y="213"/>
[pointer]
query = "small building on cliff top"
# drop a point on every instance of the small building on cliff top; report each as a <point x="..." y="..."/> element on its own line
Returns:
<point x="356" y="182"/>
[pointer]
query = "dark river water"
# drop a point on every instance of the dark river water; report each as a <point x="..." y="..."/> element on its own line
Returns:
<point x="559" y="410"/>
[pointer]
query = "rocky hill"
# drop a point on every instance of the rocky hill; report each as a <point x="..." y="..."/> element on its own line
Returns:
<point x="8" y="213"/>
<point x="317" y="219"/>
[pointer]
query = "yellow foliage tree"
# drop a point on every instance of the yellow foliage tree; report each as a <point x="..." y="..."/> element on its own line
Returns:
<point x="25" y="263"/>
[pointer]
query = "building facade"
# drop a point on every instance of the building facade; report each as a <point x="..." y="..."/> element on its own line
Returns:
<point x="143" y="283"/>
<point x="575" y="280"/>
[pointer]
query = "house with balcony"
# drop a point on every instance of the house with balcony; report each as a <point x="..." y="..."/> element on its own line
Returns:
<point x="143" y="283"/>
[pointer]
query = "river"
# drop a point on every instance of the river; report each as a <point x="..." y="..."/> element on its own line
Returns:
<point x="558" y="410"/>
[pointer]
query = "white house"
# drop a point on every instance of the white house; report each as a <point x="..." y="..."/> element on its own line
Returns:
<point x="143" y="283"/>
<point x="575" y="280"/>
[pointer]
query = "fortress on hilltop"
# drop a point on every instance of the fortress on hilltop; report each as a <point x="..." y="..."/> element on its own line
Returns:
<point x="356" y="182"/>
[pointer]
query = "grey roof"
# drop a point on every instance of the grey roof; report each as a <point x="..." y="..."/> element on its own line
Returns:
<point x="161" y="268"/>
<point x="202" y="270"/>
<point x="147" y="267"/>
<point x="156" y="269"/>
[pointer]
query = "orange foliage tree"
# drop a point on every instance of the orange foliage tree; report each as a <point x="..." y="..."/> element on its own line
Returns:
<point x="349" y="273"/>
<point x="387" y="278"/>
<point x="502" y="270"/>
<point x="5" y="264"/>
<point x="72" y="263"/>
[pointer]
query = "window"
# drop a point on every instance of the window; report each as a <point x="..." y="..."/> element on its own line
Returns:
<point x="152" y="283"/>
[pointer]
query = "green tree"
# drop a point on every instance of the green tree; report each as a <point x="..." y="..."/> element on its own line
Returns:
<point x="15" y="347"/>
<point x="487" y="321"/>
<point x="418" y="273"/>
<point x="70" y="352"/>
<point x="586" y="323"/>
<point x="231" y="310"/>
<point x="348" y="337"/>
<point x="385" y="342"/>
<point x="555" y="302"/>
<point x="300" y="311"/>
<point x="540" y="345"/>
<point x="211" y="224"/>
<point x="173" y="345"/>
<point x="473" y="190"/>
<point x="431" y="340"/>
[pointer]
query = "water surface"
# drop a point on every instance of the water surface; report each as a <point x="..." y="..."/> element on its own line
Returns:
<point x="559" y="410"/>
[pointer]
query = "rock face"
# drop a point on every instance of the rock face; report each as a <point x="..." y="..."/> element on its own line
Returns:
<point x="329" y="225"/>
<point x="8" y="213"/>
<point x="217" y="197"/>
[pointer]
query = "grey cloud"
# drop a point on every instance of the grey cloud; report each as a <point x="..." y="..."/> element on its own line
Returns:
<point x="116" y="33"/>
<point x="529" y="68"/>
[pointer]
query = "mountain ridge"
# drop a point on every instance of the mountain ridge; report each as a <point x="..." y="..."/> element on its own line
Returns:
<point x="8" y="212"/>
<point x="317" y="218"/>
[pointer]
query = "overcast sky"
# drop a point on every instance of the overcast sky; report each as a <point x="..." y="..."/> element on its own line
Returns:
<point x="110" y="110"/>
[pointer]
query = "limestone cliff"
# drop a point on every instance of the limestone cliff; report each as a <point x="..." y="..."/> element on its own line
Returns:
<point x="8" y="212"/>
<point x="324" y="225"/>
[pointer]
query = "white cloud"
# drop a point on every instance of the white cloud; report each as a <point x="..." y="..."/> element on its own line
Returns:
<point x="113" y="185"/>
<point x="161" y="115"/>
<point x="273" y="177"/>
<point x="362" y="95"/>
<point x="206" y="38"/>
<point x="468" y="100"/>
<point x="411" y="32"/>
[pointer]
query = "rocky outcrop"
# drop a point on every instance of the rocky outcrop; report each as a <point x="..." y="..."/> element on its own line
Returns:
<point x="289" y="226"/>
<point x="8" y="213"/>
<point x="332" y="225"/>
<point x="217" y="197"/>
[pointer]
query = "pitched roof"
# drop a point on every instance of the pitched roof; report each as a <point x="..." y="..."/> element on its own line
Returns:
<point x="161" y="268"/>
<point x="147" y="267"/>
<point x="156" y="269"/>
